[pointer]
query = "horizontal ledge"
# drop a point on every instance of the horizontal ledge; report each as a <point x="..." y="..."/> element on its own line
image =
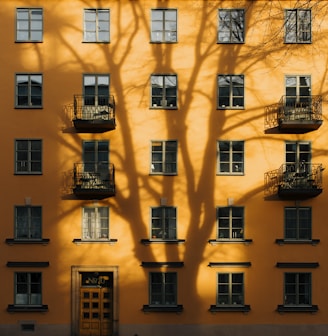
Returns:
<point x="230" y="308"/>
<point x="282" y="241"/>
<point x="230" y="264"/>
<point x="172" y="264"/>
<point x="100" y="241"/>
<point x="297" y="309"/>
<point x="231" y="241"/>
<point x="297" y="264"/>
<point x="163" y="241"/>
<point x="13" y="241"/>
<point x="28" y="264"/>
<point x="27" y="309"/>
<point x="163" y="309"/>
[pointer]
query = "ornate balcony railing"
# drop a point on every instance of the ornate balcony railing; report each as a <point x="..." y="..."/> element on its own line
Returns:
<point x="297" y="114"/>
<point x="294" y="180"/>
<point x="94" y="113"/>
<point x="94" y="180"/>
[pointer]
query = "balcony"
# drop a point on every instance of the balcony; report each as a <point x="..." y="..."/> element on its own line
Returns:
<point x="93" y="113"/>
<point x="93" y="180"/>
<point x="294" y="181"/>
<point x="299" y="114"/>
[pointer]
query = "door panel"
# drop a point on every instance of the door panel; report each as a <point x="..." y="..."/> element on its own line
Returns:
<point x="96" y="311"/>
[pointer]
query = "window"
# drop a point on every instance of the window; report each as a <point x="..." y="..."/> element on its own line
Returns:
<point x="230" y="91"/>
<point x="230" y="289"/>
<point x="28" y="288"/>
<point x="96" y="25"/>
<point x="29" y="25"/>
<point x="298" y="92"/>
<point x="28" y="156"/>
<point x="164" y="91"/>
<point x="297" y="289"/>
<point x="163" y="288"/>
<point x="298" y="157"/>
<point x="29" y="91"/>
<point x="230" y="157"/>
<point x="95" y="223"/>
<point x="298" y="223"/>
<point x="231" y="26"/>
<point x="163" y="25"/>
<point x="28" y="221"/>
<point x="96" y="91"/>
<point x="230" y="223"/>
<point x="298" y="26"/>
<point x="163" y="223"/>
<point x="164" y="157"/>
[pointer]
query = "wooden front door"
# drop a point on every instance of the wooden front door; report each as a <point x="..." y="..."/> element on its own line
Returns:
<point x="96" y="305"/>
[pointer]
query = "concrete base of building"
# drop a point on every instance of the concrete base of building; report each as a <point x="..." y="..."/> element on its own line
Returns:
<point x="224" y="330"/>
<point x="24" y="328"/>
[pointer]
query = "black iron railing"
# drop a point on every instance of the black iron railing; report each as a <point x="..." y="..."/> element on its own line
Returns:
<point x="93" y="177"/>
<point x="94" y="107"/>
<point x="294" y="109"/>
<point x="302" y="176"/>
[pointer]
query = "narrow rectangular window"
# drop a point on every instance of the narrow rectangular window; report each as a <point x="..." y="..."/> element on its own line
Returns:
<point x="298" y="223"/>
<point x="163" y="25"/>
<point x="298" y="289"/>
<point x="96" y="25"/>
<point x="163" y="223"/>
<point x="28" y="222"/>
<point x="164" y="157"/>
<point x="230" y="289"/>
<point x="230" y="157"/>
<point x="230" y="223"/>
<point x="28" y="156"/>
<point x="29" y="24"/>
<point x="28" y="288"/>
<point x="28" y="90"/>
<point x="163" y="288"/>
<point x="164" y="91"/>
<point x="231" y="26"/>
<point x="230" y="91"/>
<point x="298" y="26"/>
<point x="95" y="225"/>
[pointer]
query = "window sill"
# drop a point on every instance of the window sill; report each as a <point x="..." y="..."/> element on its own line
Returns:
<point x="162" y="174"/>
<point x="297" y="309"/>
<point x="34" y="107"/>
<point x="29" y="41"/>
<point x="230" y="108"/>
<point x="163" y="107"/>
<point x="230" y="308"/>
<point x="161" y="241"/>
<point x="26" y="308"/>
<point x="163" y="42"/>
<point x="97" y="42"/>
<point x="230" y="174"/>
<point x="162" y="309"/>
<point x="297" y="242"/>
<point x="28" y="173"/>
<point x="13" y="241"/>
<point x="79" y="241"/>
<point x="228" y="42"/>
<point x="230" y="241"/>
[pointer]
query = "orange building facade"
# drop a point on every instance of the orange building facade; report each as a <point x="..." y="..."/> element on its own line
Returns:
<point x="164" y="168"/>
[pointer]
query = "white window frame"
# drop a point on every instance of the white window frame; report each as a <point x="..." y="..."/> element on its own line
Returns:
<point x="298" y="26"/>
<point x="164" y="91"/>
<point x="231" y="25"/>
<point x="231" y="91"/>
<point x="28" y="25"/>
<point x="227" y="289"/>
<point x="165" y="157"/>
<point x="163" y="25"/>
<point x="230" y="223"/>
<point x="94" y="25"/>
<point x="27" y="87"/>
<point x="230" y="159"/>
<point x="95" y="224"/>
